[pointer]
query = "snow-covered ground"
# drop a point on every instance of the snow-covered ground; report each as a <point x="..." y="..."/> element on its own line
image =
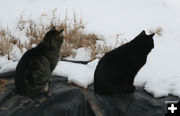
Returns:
<point x="161" y="74"/>
<point x="79" y="74"/>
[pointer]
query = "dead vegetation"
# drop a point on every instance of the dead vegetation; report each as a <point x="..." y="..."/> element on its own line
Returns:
<point x="34" y="31"/>
<point x="6" y="39"/>
<point x="158" y="31"/>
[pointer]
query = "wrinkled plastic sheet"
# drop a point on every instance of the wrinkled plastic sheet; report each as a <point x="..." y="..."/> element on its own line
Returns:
<point x="67" y="100"/>
<point x="139" y="103"/>
<point x="62" y="100"/>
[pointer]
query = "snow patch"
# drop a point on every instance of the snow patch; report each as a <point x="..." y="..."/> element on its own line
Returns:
<point x="16" y="53"/>
<point x="9" y="67"/>
<point x="159" y="88"/>
<point x="82" y="54"/>
<point x="160" y="75"/>
<point x="4" y="61"/>
<point x="79" y="74"/>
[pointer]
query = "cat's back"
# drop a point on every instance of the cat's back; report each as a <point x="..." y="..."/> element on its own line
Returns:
<point x="24" y="61"/>
<point x="29" y="57"/>
<point x="116" y="56"/>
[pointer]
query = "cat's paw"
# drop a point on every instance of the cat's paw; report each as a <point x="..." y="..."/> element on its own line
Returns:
<point x="46" y="88"/>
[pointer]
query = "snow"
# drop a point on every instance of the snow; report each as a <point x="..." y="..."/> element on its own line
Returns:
<point x="160" y="76"/>
<point x="16" y="53"/>
<point x="4" y="61"/>
<point x="79" y="52"/>
<point x="165" y="87"/>
<point x="9" y="67"/>
<point x="79" y="74"/>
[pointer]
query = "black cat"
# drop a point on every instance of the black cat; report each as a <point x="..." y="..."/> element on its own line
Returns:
<point x="117" y="69"/>
<point x="34" y="69"/>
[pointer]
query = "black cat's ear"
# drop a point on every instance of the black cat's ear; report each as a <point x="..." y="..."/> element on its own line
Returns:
<point x="53" y="28"/>
<point x="143" y="33"/>
<point x="151" y="35"/>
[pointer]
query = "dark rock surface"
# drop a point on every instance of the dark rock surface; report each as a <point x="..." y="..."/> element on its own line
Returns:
<point x="65" y="100"/>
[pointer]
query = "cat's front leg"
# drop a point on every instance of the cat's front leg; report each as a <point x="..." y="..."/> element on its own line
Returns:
<point x="46" y="88"/>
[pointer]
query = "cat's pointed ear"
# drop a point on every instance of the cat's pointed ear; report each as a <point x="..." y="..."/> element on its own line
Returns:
<point x="151" y="35"/>
<point x="61" y="31"/>
<point x="143" y="33"/>
<point x="53" y="28"/>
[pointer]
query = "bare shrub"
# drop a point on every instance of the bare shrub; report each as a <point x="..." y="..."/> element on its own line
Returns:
<point x="74" y="35"/>
<point x="6" y="39"/>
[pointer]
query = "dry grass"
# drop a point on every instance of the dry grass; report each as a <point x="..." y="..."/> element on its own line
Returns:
<point x="73" y="34"/>
<point x="34" y="31"/>
<point x="158" y="31"/>
<point x="6" y="38"/>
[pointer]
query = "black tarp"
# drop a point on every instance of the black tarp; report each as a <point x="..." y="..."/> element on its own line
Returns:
<point x="66" y="100"/>
<point x="60" y="101"/>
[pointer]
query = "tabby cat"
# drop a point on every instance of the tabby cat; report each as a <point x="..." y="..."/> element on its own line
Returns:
<point x="34" y="69"/>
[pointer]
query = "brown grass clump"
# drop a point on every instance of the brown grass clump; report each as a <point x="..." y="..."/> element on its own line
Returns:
<point x="74" y="32"/>
<point x="6" y="39"/>
<point x="5" y="47"/>
<point x="74" y="35"/>
<point x="158" y="31"/>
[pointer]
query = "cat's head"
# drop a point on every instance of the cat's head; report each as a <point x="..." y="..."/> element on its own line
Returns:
<point x="144" y="42"/>
<point x="54" y="38"/>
